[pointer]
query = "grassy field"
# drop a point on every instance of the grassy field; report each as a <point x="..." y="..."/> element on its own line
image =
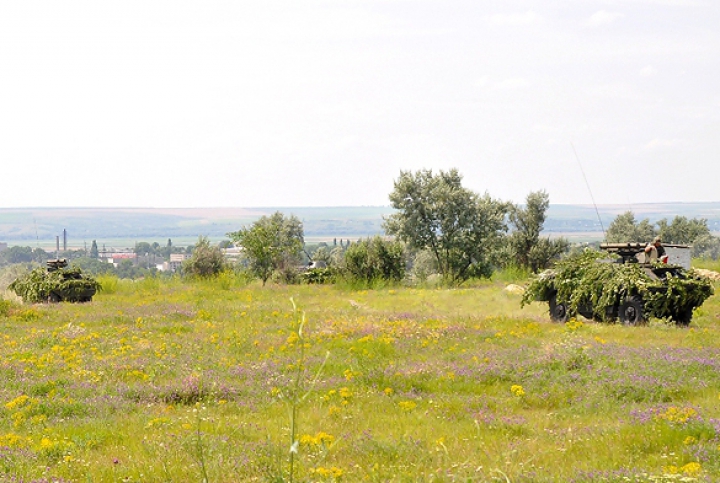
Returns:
<point x="159" y="381"/>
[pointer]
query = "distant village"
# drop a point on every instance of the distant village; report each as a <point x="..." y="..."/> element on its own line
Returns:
<point x="144" y="255"/>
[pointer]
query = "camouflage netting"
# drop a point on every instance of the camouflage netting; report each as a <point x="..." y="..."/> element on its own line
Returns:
<point x="591" y="279"/>
<point x="68" y="284"/>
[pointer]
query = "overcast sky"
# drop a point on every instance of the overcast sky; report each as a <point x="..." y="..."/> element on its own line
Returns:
<point x="257" y="103"/>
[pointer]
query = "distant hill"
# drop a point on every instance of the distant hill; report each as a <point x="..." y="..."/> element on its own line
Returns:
<point x="42" y="225"/>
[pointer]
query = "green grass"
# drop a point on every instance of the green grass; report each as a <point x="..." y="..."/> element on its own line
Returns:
<point x="167" y="380"/>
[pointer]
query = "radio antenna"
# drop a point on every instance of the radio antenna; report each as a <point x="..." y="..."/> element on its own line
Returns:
<point x="597" y="212"/>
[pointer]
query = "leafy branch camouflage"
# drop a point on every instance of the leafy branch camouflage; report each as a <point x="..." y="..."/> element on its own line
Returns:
<point x="592" y="281"/>
<point x="41" y="285"/>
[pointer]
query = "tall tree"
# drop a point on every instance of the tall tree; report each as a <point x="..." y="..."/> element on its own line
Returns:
<point x="271" y="243"/>
<point x="527" y="249"/>
<point x="459" y="227"/>
<point x="624" y="228"/>
<point x="682" y="230"/>
<point x="94" y="250"/>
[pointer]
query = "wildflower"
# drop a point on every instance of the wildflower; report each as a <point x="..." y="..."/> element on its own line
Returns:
<point x="407" y="405"/>
<point x="691" y="469"/>
<point x="18" y="402"/>
<point x="332" y="472"/>
<point x="46" y="443"/>
<point x="690" y="440"/>
<point x="517" y="390"/>
<point x="12" y="440"/>
<point x="388" y="391"/>
<point x="677" y="415"/>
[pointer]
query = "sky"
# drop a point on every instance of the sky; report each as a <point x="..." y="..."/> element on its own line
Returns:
<point x="282" y="103"/>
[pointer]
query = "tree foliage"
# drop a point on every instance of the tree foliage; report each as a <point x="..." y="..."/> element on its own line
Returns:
<point x="624" y="228"/>
<point x="682" y="230"/>
<point x="374" y="259"/>
<point x="459" y="227"/>
<point x="206" y="260"/>
<point x="18" y="254"/>
<point x="271" y="244"/>
<point x="94" y="253"/>
<point x="525" y="247"/>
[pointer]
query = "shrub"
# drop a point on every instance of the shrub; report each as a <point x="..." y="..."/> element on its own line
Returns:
<point x="5" y="306"/>
<point x="374" y="259"/>
<point x="206" y="260"/>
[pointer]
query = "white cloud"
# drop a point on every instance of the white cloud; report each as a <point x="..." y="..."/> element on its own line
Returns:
<point x="648" y="71"/>
<point x="513" y="83"/>
<point x="603" y="17"/>
<point x="516" y="19"/>
<point x="659" y="143"/>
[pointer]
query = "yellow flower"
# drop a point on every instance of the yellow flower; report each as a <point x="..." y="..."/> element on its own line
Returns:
<point x="407" y="405"/>
<point x="388" y="391"/>
<point x="46" y="443"/>
<point x="517" y="390"/>
<point x="332" y="472"/>
<point x="12" y="440"/>
<point x="18" y="402"/>
<point x="691" y="469"/>
<point x="690" y="440"/>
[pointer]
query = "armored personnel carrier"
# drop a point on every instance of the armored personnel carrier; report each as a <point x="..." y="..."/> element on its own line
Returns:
<point x="56" y="283"/>
<point x="619" y="283"/>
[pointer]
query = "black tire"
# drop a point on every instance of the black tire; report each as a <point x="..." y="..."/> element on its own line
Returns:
<point x="559" y="311"/>
<point x="683" y="319"/>
<point x="631" y="312"/>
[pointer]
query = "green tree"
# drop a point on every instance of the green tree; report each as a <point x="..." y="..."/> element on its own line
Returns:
<point x="17" y="254"/>
<point x="374" y="259"/>
<point x="706" y="246"/>
<point x="458" y="226"/>
<point x="624" y="228"/>
<point x="94" y="266"/>
<point x="526" y="248"/>
<point x="272" y="243"/>
<point x="682" y="230"/>
<point x="94" y="250"/>
<point x="143" y="248"/>
<point x="206" y="260"/>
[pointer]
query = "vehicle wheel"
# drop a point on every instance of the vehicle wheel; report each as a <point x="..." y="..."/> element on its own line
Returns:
<point x="53" y="298"/>
<point x="683" y="319"/>
<point x="631" y="311"/>
<point x="558" y="310"/>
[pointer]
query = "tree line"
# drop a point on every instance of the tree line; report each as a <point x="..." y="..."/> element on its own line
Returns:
<point x="440" y="231"/>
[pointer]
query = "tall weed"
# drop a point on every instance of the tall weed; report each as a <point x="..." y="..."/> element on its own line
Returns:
<point x="108" y="283"/>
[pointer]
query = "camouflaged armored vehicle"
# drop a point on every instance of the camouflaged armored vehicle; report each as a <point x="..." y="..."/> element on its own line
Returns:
<point x="619" y="283"/>
<point x="56" y="283"/>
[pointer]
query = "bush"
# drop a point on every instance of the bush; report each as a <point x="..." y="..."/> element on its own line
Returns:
<point x="206" y="260"/>
<point x="317" y="275"/>
<point x="108" y="283"/>
<point x="5" y="306"/>
<point x="373" y="260"/>
<point x="424" y="266"/>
